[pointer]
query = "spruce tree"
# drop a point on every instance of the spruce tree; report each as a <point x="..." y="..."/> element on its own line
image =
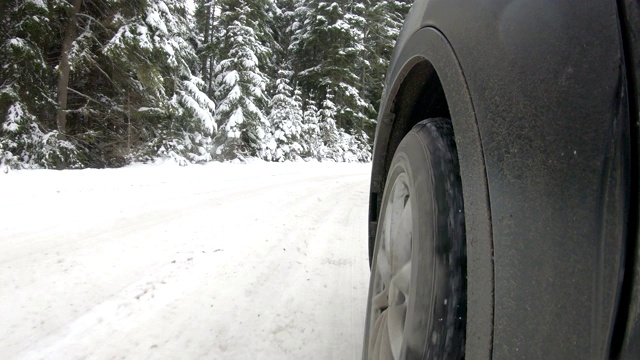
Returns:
<point x="241" y="86"/>
<point x="329" y="133"/>
<point x="208" y="35"/>
<point x="326" y="46"/>
<point x="159" y="103"/>
<point x="286" y="118"/>
<point x="380" y="31"/>
<point x="311" y="130"/>
<point x="29" y="33"/>
<point x="103" y="83"/>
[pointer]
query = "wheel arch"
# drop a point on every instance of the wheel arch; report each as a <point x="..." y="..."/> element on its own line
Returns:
<point x="425" y="80"/>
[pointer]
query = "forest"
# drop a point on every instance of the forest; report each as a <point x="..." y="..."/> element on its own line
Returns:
<point x="104" y="83"/>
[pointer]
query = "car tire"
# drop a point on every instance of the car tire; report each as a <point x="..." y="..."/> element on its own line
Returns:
<point x="417" y="292"/>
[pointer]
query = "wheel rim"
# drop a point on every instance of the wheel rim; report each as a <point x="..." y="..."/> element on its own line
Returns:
<point x="392" y="274"/>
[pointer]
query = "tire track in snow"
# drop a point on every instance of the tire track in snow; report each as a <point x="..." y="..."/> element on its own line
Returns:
<point x="200" y="308"/>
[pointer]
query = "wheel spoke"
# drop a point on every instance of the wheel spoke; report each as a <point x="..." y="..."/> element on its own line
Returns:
<point x="401" y="280"/>
<point x="387" y="234"/>
<point x="384" y="267"/>
<point x="381" y="347"/>
<point x="395" y="324"/>
<point x="381" y="301"/>
<point x="397" y="206"/>
<point x="393" y="275"/>
<point x="402" y="240"/>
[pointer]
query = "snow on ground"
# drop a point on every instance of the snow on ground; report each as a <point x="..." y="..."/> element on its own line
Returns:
<point x="221" y="261"/>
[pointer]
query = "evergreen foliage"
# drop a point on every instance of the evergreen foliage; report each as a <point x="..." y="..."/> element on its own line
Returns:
<point x="287" y="120"/>
<point x="28" y="136"/>
<point x="241" y="83"/>
<point x="276" y="79"/>
<point x="326" y="44"/>
<point x="380" y="31"/>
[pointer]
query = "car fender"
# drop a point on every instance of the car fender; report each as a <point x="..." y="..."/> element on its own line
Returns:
<point x="538" y="99"/>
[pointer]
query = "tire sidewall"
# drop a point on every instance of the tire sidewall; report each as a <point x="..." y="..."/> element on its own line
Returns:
<point x="433" y="324"/>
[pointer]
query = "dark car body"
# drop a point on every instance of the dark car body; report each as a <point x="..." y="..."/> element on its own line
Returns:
<point x="543" y="99"/>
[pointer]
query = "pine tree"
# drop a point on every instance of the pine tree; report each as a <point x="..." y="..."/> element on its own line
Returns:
<point x="102" y="83"/>
<point x="326" y="45"/>
<point x="337" y="144"/>
<point x="28" y="135"/>
<point x="283" y="33"/>
<point x="159" y="104"/>
<point x="209" y="35"/>
<point x="380" y="31"/>
<point x="241" y="85"/>
<point x="124" y="84"/>
<point x="311" y="130"/>
<point x="286" y="119"/>
<point x="329" y="133"/>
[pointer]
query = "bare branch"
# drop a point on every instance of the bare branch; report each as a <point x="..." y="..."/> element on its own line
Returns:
<point x="84" y="96"/>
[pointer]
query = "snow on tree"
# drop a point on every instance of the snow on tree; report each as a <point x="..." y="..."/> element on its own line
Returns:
<point x="338" y="145"/>
<point x="154" y="57"/>
<point x="134" y="80"/>
<point x="282" y="35"/>
<point x="380" y="31"/>
<point x="28" y="137"/>
<point x="124" y="82"/>
<point x="329" y="133"/>
<point x="286" y="119"/>
<point x="25" y="145"/>
<point x="355" y="147"/>
<point x="326" y="45"/>
<point x="311" y="130"/>
<point x="241" y="86"/>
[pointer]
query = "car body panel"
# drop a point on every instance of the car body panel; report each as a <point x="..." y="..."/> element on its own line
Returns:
<point x="629" y="316"/>
<point x="547" y="89"/>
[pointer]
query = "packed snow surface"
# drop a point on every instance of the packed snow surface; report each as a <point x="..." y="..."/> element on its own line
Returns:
<point x="221" y="261"/>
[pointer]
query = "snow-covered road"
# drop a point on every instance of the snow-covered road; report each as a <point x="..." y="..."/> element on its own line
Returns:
<point x="222" y="261"/>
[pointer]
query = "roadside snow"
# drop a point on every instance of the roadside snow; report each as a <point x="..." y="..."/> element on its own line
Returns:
<point x="222" y="261"/>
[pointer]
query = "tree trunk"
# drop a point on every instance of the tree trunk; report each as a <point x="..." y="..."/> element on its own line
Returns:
<point x="206" y="55"/>
<point x="363" y="59"/>
<point x="63" y="68"/>
<point x="212" y="18"/>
